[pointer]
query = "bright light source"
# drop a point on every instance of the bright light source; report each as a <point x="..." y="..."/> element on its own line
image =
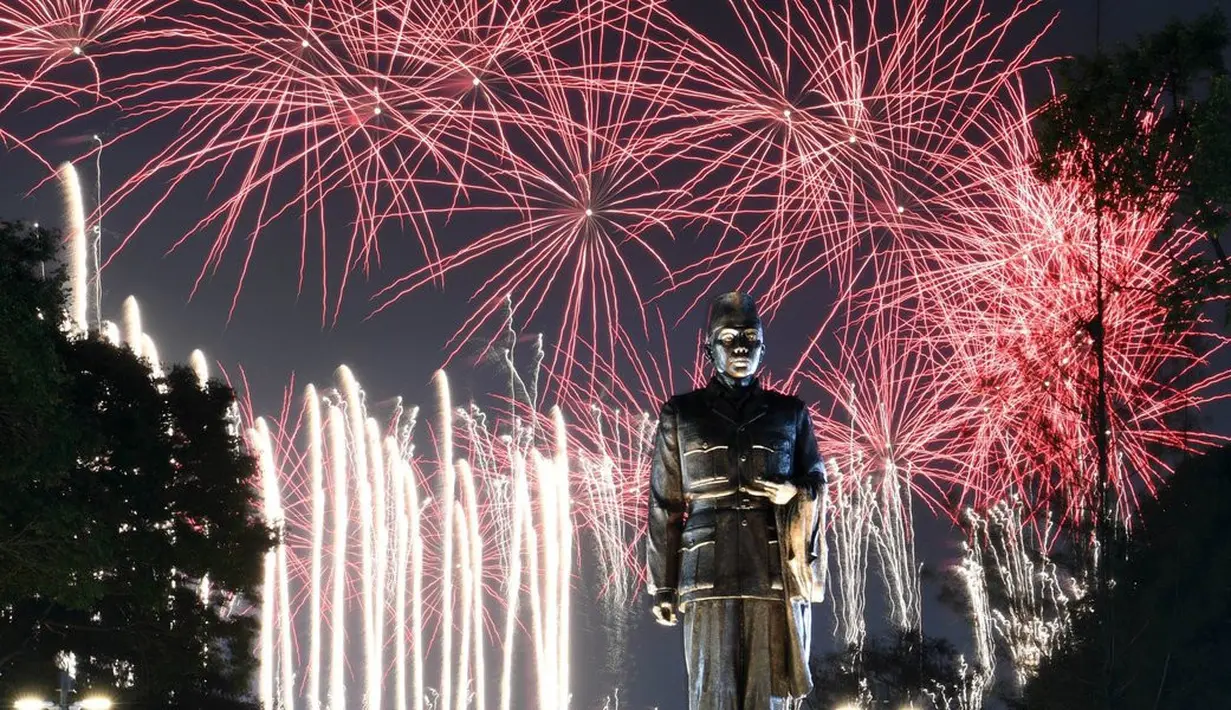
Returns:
<point x="77" y="49"/>
<point x="376" y="110"/>
<point x="303" y="43"/>
<point x="786" y="112"/>
<point x="475" y="81"/>
<point x="29" y="703"/>
<point x="901" y="209"/>
<point x="852" y="139"/>
<point x="589" y="212"/>
<point x="96" y="702"/>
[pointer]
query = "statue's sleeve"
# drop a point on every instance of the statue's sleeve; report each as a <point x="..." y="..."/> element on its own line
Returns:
<point x="809" y="477"/>
<point x="666" y="514"/>
<point x="808" y="473"/>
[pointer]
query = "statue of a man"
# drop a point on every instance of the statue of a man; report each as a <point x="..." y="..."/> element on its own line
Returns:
<point x="736" y="541"/>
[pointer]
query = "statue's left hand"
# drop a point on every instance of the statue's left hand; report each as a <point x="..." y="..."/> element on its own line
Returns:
<point x="777" y="493"/>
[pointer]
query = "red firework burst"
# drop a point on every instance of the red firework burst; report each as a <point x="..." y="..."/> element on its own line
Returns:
<point x="1009" y="284"/>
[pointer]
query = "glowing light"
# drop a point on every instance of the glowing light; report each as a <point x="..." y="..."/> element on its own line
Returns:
<point x="77" y="49"/>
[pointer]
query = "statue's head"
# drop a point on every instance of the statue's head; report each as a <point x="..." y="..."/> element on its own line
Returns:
<point x="735" y="340"/>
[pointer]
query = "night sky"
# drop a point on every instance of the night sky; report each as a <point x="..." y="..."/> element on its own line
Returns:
<point x="275" y="332"/>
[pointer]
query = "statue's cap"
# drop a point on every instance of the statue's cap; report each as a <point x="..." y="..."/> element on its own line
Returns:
<point x="734" y="309"/>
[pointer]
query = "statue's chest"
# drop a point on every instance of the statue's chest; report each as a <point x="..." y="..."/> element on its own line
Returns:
<point x="717" y="454"/>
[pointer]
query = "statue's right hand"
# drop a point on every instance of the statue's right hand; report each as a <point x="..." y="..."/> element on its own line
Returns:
<point x="664" y="613"/>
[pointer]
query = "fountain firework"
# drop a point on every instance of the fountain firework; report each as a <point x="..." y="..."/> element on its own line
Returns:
<point x="492" y="529"/>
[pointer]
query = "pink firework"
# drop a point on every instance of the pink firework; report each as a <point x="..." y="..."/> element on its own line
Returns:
<point x="50" y="50"/>
<point x="580" y="202"/>
<point x="833" y="118"/>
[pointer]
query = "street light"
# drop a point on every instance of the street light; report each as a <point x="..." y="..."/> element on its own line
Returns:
<point x="94" y="702"/>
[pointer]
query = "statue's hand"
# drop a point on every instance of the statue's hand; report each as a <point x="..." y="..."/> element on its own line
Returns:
<point x="777" y="493"/>
<point x="664" y="613"/>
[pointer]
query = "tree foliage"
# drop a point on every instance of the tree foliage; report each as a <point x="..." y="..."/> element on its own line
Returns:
<point x="104" y="547"/>
<point x="1171" y="644"/>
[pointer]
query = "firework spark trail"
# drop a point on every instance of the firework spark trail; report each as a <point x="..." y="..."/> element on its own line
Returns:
<point x="970" y="572"/>
<point x="854" y="505"/>
<point x="893" y="534"/>
<point x="1032" y="617"/>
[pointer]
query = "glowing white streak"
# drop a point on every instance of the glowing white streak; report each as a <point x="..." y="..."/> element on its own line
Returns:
<point x="132" y="325"/>
<point x="551" y="586"/>
<point x="111" y="333"/>
<point x="78" y="250"/>
<point x="359" y="460"/>
<point x="416" y="590"/>
<point x="337" y="608"/>
<point x="536" y="603"/>
<point x="376" y="466"/>
<point x="467" y="592"/>
<point x="564" y="528"/>
<point x="397" y="476"/>
<point x="259" y="439"/>
<point x="446" y="503"/>
<point x="513" y="580"/>
<point x="149" y="351"/>
<point x="474" y="568"/>
<point x="316" y="467"/>
<point x="200" y="367"/>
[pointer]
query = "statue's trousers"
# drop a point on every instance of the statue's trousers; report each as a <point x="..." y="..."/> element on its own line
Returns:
<point x="738" y="655"/>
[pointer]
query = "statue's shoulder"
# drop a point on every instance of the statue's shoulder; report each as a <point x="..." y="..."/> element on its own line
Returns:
<point x="782" y="400"/>
<point x="684" y="401"/>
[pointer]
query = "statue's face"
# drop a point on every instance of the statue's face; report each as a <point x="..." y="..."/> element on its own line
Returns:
<point x="737" y="352"/>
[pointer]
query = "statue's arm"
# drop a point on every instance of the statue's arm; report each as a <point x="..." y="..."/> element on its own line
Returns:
<point x="808" y="473"/>
<point x="666" y="509"/>
<point x="809" y="478"/>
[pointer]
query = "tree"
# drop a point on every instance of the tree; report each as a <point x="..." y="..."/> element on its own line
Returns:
<point x="32" y="373"/>
<point x="105" y="549"/>
<point x="1171" y="600"/>
<point x="899" y="669"/>
<point x="1144" y="127"/>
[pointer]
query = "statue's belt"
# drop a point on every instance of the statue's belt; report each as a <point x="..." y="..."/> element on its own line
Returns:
<point x="730" y="501"/>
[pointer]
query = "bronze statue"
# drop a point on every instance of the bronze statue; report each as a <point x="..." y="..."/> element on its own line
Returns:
<point x="736" y="540"/>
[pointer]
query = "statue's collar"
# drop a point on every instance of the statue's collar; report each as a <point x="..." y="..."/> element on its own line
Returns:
<point x="717" y="386"/>
<point x="738" y="405"/>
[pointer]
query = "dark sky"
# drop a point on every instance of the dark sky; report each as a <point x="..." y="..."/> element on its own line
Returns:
<point x="275" y="333"/>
